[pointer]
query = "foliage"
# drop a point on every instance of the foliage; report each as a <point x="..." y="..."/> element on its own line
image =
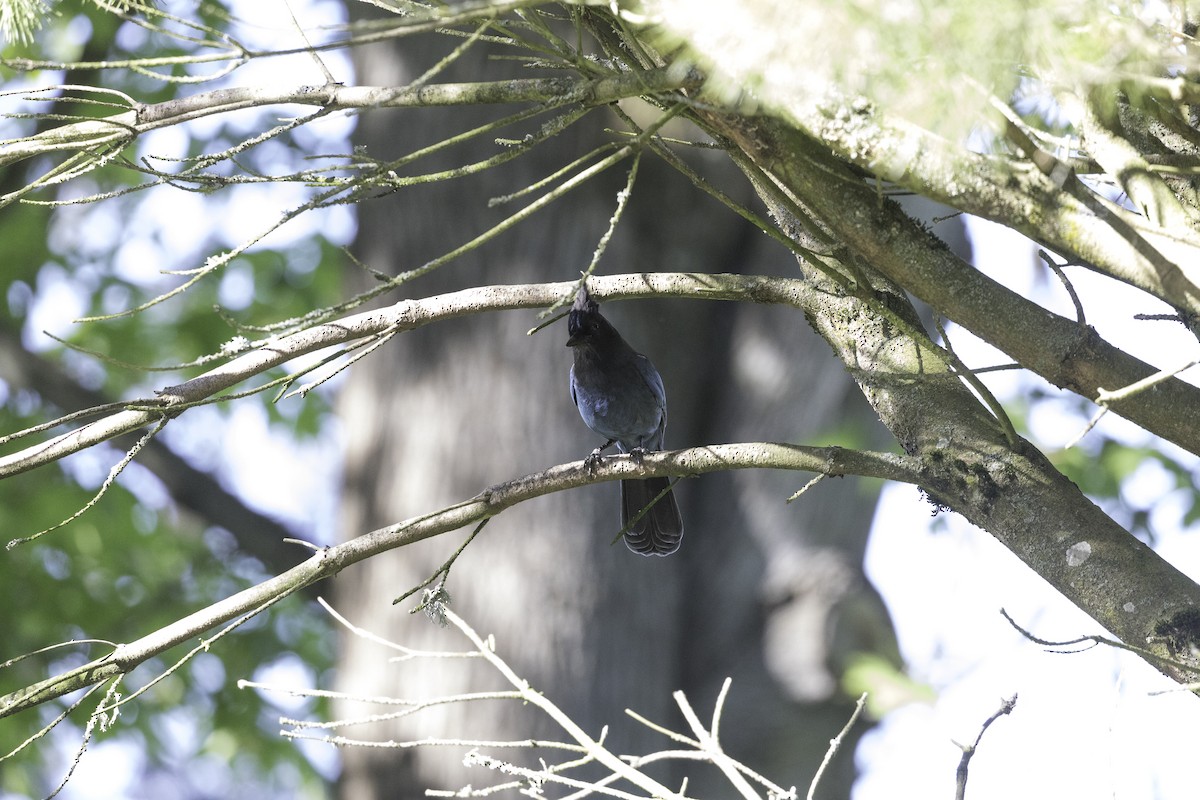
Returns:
<point x="133" y="561"/>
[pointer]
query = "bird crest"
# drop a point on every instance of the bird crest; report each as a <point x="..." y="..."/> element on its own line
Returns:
<point x="581" y="314"/>
<point x="583" y="300"/>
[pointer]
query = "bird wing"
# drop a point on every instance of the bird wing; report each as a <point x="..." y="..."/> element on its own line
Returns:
<point x="655" y="384"/>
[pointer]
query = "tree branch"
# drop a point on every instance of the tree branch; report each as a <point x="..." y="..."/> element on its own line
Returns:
<point x="121" y="129"/>
<point x="1063" y="214"/>
<point x="1171" y="411"/>
<point x="488" y="503"/>
<point x="402" y="316"/>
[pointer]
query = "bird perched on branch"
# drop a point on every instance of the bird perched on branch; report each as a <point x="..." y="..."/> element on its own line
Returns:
<point x="620" y="396"/>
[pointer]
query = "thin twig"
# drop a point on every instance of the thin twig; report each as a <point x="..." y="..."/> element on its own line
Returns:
<point x="972" y="380"/>
<point x="537" y="699"/>
<point x="710" y="745"/>
<point x="408" y="652"/>
<point x="1080" y="317"/>
<point x="116" y="470"/>
<point x="1104" y="397"/>
<point x="835" y="744"/>
<point x="820" y="477"/>
<point x="444" y="570"/>
<point x="960" y="776"/>
<point x="1087" y="428"/>
<point x="52" y="723"/>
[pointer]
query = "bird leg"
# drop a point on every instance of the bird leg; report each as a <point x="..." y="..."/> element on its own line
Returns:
<point x="594" y="457"/>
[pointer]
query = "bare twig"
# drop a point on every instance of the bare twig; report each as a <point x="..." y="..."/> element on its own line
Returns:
<point x="978" y="386"/>
<point x="835" y="744"/>
<point x="538" y="700"/>
<point x="1095" y="640"/>
<point x="806" y="487"/>
<point x="406" y="652"/>
<point x="116" y="470"/>
<point x="531" y="780"/>
<point x="711" y="745"/>
<point x="1105" y="397"/>
<point x="442" y="572"/>
<point x="960" y="777"/>
<point x="1080" y="317"/>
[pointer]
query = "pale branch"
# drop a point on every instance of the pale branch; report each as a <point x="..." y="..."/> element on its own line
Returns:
<point x="407" y="315"/>
<point x="402" y="316"/>
<point x="835" y="744"/>
<point x="410" y="706"/>
<point x="706" y="748"/>
<point x="710" y="742"/>
<point x="591" y="747"/>
<point x="532" y="781"/>
<point x="488" y="503"/>
<point x="120" y="129"/>
<point x="406" y="653"/>
<point x="1106" y="397"/>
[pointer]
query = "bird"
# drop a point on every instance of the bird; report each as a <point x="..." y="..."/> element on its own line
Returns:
<point x="620" y="396"/>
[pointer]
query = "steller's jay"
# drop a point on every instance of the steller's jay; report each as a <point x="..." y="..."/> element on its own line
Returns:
<point x="620" y="396"/>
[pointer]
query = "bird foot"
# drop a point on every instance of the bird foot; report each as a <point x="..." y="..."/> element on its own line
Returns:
<point x="637" y="454"/>
<point x="593" y="459"/>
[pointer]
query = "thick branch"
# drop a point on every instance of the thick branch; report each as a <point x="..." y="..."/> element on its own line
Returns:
<point x="1008" y="488"/>
<point x="1054" y="209"/>
<point x="1064" y="352"/>
<point x="488" y="503"/>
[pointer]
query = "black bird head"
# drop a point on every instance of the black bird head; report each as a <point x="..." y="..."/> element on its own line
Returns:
<point x="584" y="322"/>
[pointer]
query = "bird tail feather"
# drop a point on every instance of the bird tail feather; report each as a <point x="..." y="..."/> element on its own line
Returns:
<point x="659" y="531"/>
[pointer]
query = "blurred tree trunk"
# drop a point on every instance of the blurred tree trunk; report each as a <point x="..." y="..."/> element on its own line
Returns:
<point x="770" y="594"/>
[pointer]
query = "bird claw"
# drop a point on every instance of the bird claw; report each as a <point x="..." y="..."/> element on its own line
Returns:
<point x="594" y="457"/>
<point x="637" y="454"/>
